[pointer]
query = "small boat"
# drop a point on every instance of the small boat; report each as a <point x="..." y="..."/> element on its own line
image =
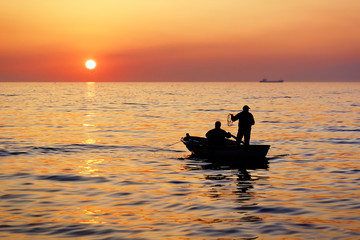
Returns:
<point x="198" y="146"/>
<point x="271" y="81"/>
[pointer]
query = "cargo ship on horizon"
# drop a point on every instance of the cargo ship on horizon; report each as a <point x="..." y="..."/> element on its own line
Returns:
<point x="271" y="81"/>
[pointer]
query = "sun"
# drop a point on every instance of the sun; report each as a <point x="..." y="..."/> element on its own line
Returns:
<point x="90" y="64"/>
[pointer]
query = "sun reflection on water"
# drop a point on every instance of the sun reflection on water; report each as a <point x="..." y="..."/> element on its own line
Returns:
<point x="90" y="89"/>
<point x="92" y="215"/>
<point x="90" y="141"/>
<point x="89" y="167"/>
<point x="89" y="120"/>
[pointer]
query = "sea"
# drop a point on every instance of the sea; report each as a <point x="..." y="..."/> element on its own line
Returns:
<point x="104" y="160"/>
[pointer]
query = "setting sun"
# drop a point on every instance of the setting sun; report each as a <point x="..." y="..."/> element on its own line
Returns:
<point x="90" y="64"/>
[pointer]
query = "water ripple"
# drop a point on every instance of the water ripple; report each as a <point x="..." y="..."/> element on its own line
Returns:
<point x="72" y="178"/>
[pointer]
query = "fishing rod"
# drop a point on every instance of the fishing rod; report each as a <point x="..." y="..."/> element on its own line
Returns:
<point x="166" y="146"/>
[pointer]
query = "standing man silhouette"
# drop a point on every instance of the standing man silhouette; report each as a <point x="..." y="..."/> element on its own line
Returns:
<point x="246" y="120"/>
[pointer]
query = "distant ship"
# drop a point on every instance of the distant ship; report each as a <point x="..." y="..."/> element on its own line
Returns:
<point x="271" y="81"/>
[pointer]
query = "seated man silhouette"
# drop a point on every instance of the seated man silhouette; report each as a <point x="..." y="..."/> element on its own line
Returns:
<point x="216" y="137"/>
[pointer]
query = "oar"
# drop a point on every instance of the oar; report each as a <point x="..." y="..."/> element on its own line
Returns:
<point x="233" y="136"/>
<point x="236" y="138"/>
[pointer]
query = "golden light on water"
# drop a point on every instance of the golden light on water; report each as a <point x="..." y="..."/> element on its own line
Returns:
<point x="94" y="162"/>
<point x="90" y="167"/>
<point x="90" y="141"/>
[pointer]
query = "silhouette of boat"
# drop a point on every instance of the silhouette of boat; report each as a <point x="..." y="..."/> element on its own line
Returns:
<point x="271" y="81"/>
<point x="198" y="146"/>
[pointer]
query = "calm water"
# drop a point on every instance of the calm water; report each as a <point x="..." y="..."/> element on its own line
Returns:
<point x="93" y="161"/>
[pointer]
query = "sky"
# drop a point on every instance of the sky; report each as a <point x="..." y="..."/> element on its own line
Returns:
<point x="180" y="40"/>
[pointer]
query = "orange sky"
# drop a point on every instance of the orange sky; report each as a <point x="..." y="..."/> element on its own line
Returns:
<point x="187" y="40"/>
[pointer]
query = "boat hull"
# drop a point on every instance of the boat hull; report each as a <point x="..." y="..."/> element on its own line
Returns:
<point x="198" y="146"/>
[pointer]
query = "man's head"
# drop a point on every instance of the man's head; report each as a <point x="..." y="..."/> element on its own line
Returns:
<point x="217" y="124"/>
<point x="246" y="108"/>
